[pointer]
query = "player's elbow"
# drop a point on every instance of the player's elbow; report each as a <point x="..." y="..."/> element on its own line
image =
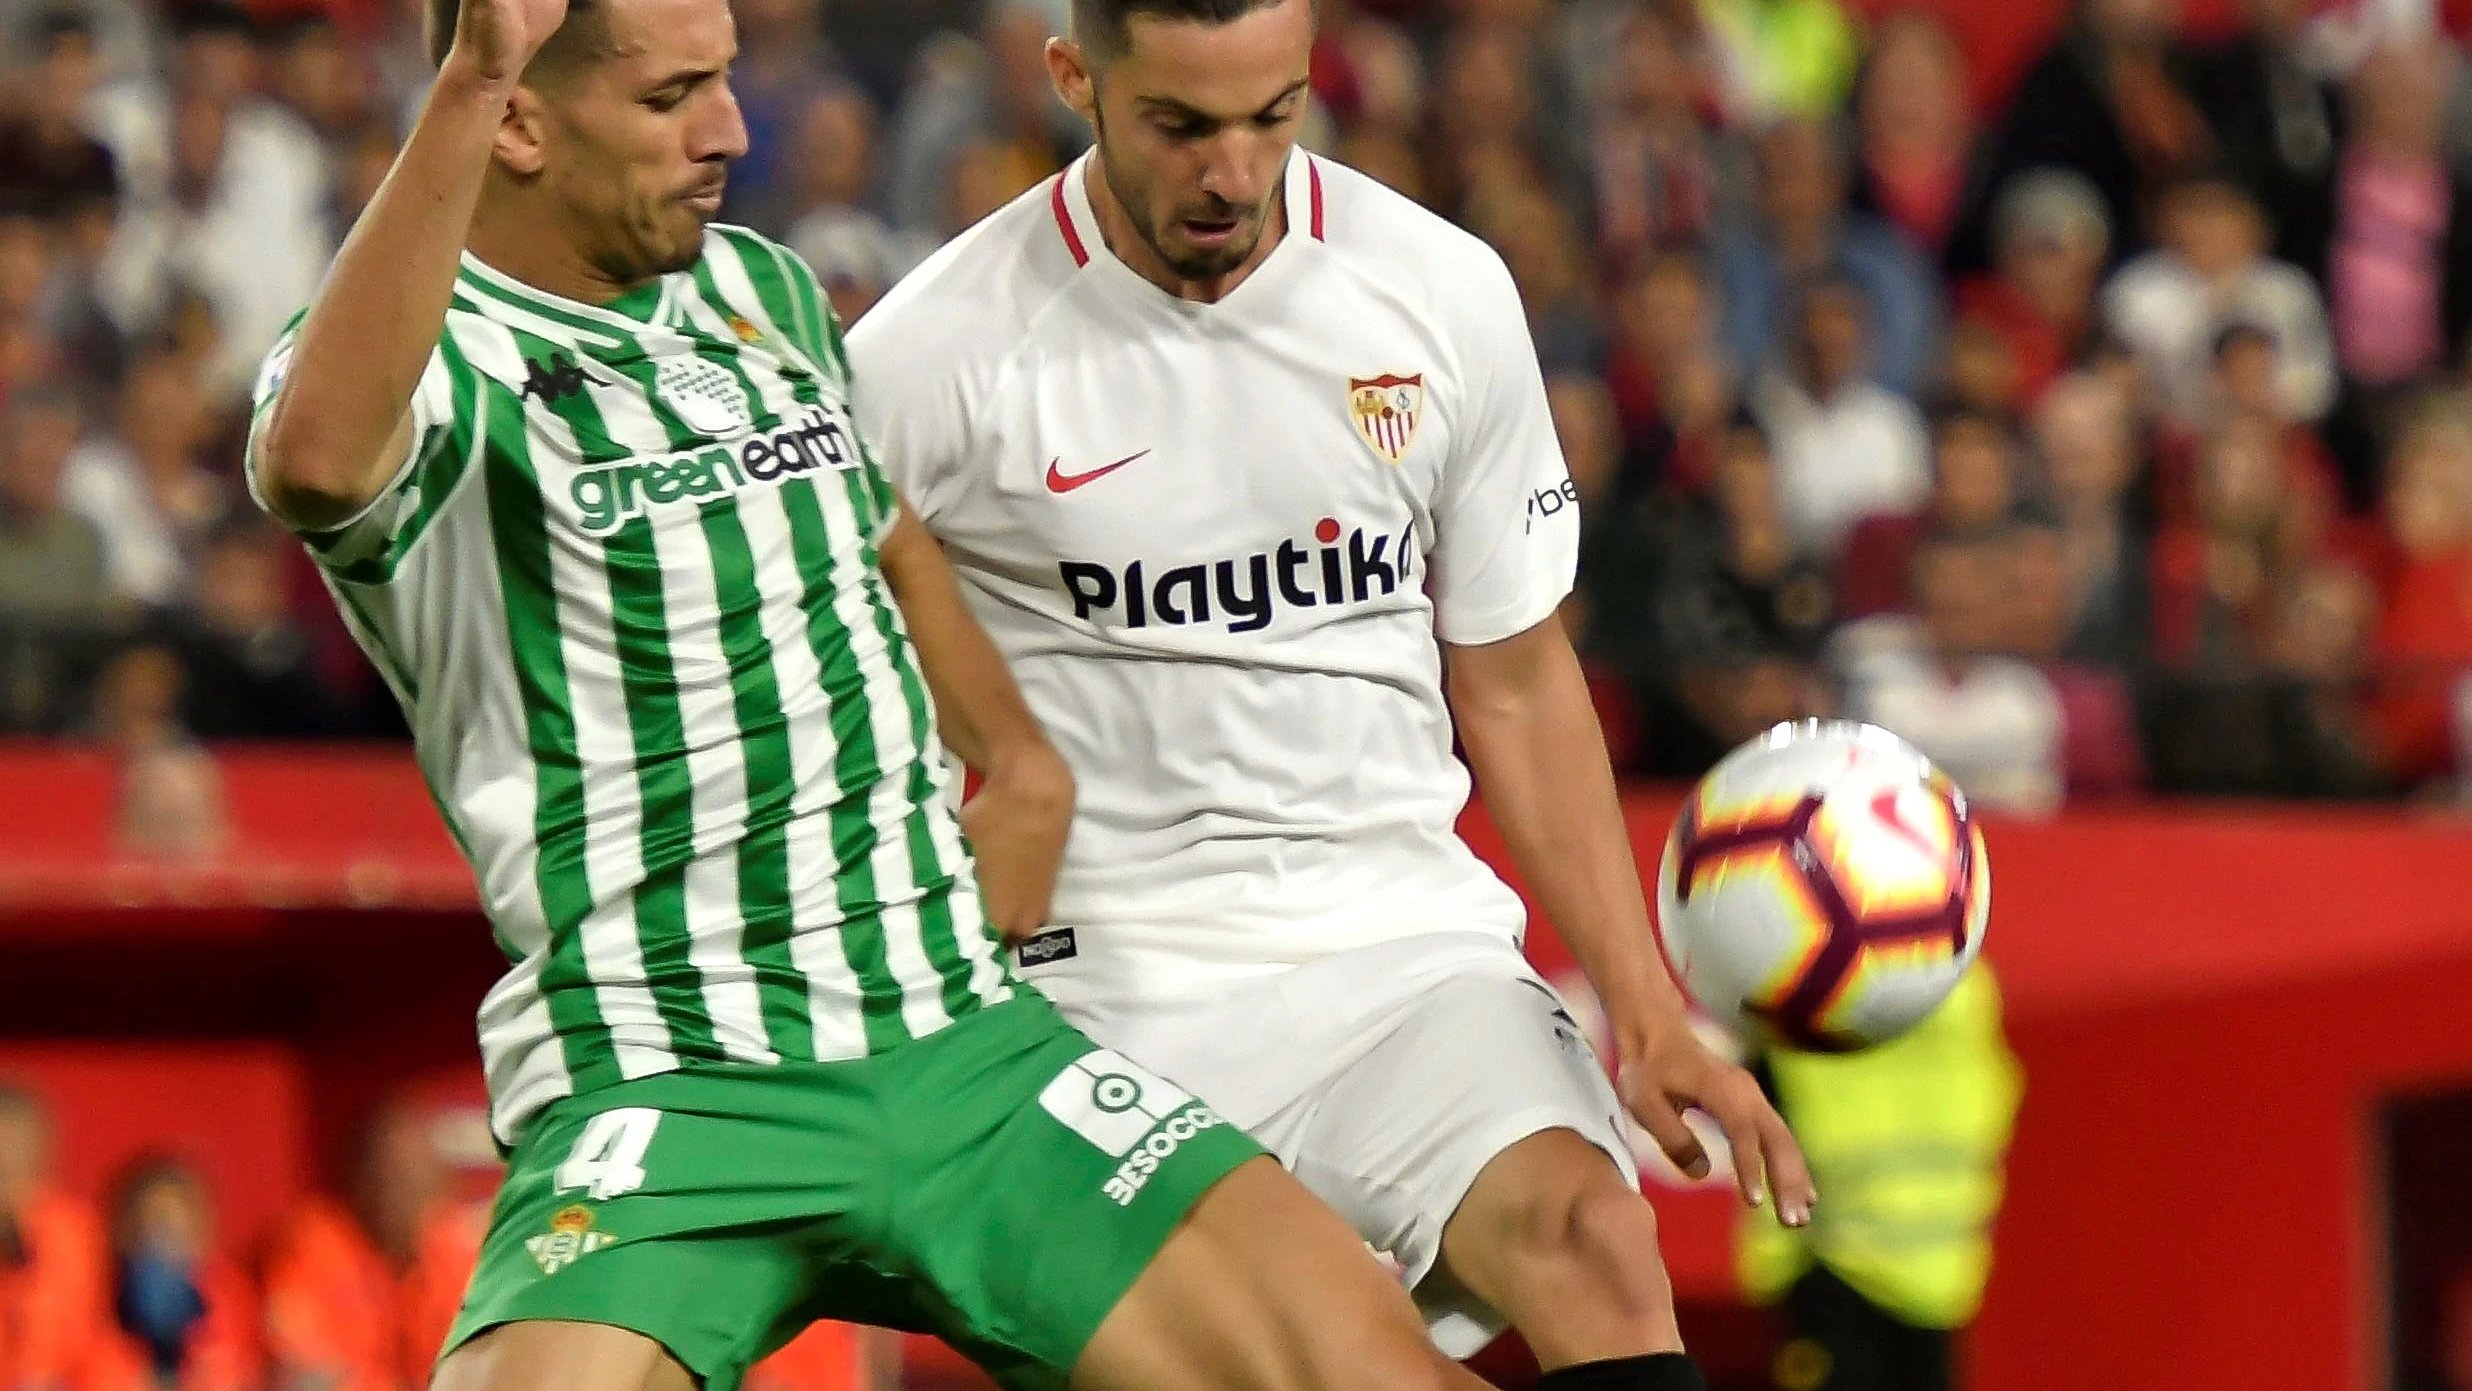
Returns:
<point x="307" y="477"/>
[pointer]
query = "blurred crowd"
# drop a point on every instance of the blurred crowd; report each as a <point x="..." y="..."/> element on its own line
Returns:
<point x="2111" y="439"/>
<point x="354" y="1291"/>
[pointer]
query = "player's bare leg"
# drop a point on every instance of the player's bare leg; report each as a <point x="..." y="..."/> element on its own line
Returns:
<point x="1265" y="1289"/>
<point x="1554" y="1237"/>
<point x="549" y="1355"/>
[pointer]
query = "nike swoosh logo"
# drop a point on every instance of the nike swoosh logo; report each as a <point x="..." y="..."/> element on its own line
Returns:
<point x="1884" y="808"/>
<point x="1060" y="482"/>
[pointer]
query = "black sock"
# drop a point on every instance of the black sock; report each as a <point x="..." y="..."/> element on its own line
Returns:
<point x="1660" y="1371"/>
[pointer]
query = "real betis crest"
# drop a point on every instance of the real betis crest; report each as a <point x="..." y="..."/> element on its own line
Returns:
<point x="569" y="1239"/>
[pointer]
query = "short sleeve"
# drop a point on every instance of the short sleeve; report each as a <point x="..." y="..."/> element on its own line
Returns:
<point x="366" y="548"/>
<point x="1506" y="516"/>
<point x="908" y="403"/>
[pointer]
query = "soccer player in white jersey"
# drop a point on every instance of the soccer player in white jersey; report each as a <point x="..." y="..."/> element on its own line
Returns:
<point x="1246" y="464"/>
<point x="581" y="471"/>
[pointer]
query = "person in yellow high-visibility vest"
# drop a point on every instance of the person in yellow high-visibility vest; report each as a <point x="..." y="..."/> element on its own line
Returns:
<point x="1907" y="1140"/>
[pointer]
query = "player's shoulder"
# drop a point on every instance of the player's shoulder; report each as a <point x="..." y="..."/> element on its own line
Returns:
<point x="975" y="294"/>
<point x="750" y="246"/>
<point x="1389" y="238"/>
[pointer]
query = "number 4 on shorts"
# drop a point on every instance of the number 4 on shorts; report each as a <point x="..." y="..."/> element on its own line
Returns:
<point x="608" y="1157"/>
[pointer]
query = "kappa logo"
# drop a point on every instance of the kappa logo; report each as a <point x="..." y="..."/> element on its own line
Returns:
<point x="1127" y="1111"/>
<point x="570" y="1238"/>
<point x="553" y="380"/>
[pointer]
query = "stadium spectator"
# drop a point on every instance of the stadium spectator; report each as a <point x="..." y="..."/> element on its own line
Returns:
<point x="2108" y="101"/>
<point x="1672" y="389"/>
<point x="183" y="1316"/>
<point x="251" y="671"/>
<point x="223" y="191"/>
<point x="2212" y="271"/>
<point x="2051" y="243"/>
<point x="1915" y="157"/>
<point x="1803" y="228"/>
<point x="1735" y="617"/>
<point x="171" y="803"/>
<point x="1549" y="264"/>
<point x="1943" y="679"/>
<point x="313" y="73"/>
<point x="1974" y="490"/>
<point x="2424" y="640"/>
<point x="52" y="1259"/>
<point x="49" y="165"/>
<point x="2101" y="755"/>
<point x="2399" y="277"/>
<point x="1846" y="448"/>
<point x="985" y="102"/>
<point x="2244" y="390"/>
<point x="1980" y="372"/>
<point x="1664" y="176"/>
<point x="144" y="486"/>
<point x="2261" y="635"/>
<point x="54" y="578"/>
<point x="783" y="63"/>
<point x="2218" y="575"/>
<point x="2276" y="123"/>
<point x="359" y="1294"/>
<point x="2088" y="447"/>
<point x="853" y="251"/>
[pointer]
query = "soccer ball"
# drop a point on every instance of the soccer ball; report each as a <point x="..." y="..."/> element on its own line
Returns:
<point x="1824" y="883"/>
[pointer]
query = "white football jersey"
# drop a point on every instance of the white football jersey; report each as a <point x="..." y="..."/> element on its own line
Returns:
<point x="1217" y="542"/>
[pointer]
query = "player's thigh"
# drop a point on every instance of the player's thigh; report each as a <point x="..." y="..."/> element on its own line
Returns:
<point x="1039" y="1175"/>
<point x="691" y="1211"/>
<point x="1263" y="1288"/>
<point x="1485" y="1082"/>
<point x="550" y="1355"/>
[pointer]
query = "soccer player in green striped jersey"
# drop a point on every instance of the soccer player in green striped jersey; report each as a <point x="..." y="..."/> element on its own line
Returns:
<point x="580" y="469"/>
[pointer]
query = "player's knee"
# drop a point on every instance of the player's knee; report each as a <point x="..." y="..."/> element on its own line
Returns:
<point x="1592" y="1232"/>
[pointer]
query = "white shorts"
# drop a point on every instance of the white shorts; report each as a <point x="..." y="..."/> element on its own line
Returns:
<point x="1385" y="1078"/>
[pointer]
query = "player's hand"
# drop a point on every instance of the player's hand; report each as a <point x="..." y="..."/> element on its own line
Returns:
<point x="495" y="39"/>
<point x="1017" y="825"/>
<point x="1667" y="1071"/>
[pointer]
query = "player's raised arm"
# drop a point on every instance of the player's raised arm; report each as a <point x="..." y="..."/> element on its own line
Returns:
<point x="338" y="428"/>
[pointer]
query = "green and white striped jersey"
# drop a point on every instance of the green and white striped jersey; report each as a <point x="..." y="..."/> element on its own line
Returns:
<point x="627" y="590"/>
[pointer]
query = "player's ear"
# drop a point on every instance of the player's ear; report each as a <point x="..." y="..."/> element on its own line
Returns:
<point x="521" y="142"/>
<point x="1068" y="67"/>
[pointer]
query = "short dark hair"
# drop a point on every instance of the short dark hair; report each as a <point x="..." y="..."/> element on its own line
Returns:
<point x="584" y="34"/>
<point x="1102" y="27"/>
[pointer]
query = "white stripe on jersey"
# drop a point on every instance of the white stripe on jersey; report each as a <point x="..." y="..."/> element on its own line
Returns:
<point x="613" y="799"/>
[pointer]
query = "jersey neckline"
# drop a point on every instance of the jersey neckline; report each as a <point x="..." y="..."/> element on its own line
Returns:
<point x="1077" y="222"/>
<point x="648" y="305"/>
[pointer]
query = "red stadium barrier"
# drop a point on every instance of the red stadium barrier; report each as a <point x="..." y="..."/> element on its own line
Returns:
<point x="2210" y="1004"/>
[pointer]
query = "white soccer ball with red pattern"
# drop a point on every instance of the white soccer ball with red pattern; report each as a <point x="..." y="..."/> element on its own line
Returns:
<point x="1823" y="883"/>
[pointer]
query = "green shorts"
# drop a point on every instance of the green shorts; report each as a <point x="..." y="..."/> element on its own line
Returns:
<point x="1000" y="1184"/>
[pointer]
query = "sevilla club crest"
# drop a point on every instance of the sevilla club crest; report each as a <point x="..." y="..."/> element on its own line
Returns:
<point x="1386" y="410"/>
